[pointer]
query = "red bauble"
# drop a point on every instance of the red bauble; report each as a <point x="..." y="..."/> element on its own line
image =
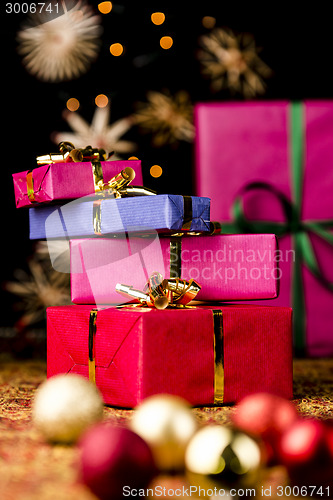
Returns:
<point x="115" y="457"/>
<point x="267" y="417"/>
<point x="305" y="450"/>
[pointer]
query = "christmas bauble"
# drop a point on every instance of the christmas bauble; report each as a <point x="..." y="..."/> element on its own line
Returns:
<point x="305" y="450"/>
<point x="115" y="462"/>
<point x="166" y="423"/>
<point x="265" y="416"/>
<point x="220" y="457"/>
<point x="65" y="406"/>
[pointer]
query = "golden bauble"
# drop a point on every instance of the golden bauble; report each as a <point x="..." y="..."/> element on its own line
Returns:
<point x="220" y="457"/>
<point x="166" y="423"/>
<point x="65" y="406"/>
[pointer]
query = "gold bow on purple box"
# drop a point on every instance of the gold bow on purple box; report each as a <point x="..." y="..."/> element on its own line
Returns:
<point x="161" y="293"/>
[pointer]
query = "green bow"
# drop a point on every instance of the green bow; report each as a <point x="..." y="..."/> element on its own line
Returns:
<point x="300" y="230"/>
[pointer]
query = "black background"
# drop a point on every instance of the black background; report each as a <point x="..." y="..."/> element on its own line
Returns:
<point x="297" y="46"/>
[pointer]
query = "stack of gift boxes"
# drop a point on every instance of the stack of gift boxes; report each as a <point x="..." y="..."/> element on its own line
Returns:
<point x="154" y="284"/>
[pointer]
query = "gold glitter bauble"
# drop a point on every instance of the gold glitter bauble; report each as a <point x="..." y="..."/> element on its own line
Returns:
<point x="65" y="406"/>
<point x="166" y="423"/>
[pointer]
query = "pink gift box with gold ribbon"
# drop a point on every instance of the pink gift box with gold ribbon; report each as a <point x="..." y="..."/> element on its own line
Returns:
<point x="65" y="181"/>
<point x="227" y="267"/>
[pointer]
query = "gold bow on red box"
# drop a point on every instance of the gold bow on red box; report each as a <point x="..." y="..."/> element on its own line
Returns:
<point x="161" y="293"/>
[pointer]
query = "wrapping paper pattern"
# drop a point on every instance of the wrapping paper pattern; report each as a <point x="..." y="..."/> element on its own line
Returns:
<point x="142" y="351"/>
<point x="282" y="171"/>
<point x="65" y="181"/>
<point x="228" y="267"/>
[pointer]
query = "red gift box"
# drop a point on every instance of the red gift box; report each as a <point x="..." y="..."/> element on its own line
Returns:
<point x="207" y="355"/>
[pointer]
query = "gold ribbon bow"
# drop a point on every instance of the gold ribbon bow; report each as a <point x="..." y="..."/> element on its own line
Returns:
<point x="161" y="293"/>
<point x="118" y="186"/>
<point x="68" y="153"/>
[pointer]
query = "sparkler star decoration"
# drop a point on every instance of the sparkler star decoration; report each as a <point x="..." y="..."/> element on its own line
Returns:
<point x="39" y="288"/>
<point x="60" y="47"/>
<point x="168" y="118"/>
<point x="100" y="134"/>
<point x="231" y="61"/>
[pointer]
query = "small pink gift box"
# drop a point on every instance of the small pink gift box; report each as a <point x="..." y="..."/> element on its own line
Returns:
<point x="66" y="181"/>
<point x="275" y="160"/>
<point x="228" y="267"/>
<point x="207" y="355"/>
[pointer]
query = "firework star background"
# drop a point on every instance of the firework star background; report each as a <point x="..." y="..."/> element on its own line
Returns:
<point x="151" y="93"/>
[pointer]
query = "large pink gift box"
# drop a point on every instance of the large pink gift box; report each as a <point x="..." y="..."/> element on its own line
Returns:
<point x="207" y="355"/>
<point x="67" y="181"/>
<point x="227" y="267"/>
<point x="274" y="166"/>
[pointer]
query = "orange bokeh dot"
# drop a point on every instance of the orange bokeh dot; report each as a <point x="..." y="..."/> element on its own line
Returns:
<point x="133" y="158"/>
<point x="157" y="18"/>
<point x="116" y="49"/>
<point x="166" y="42"/>
<point x="156" y="171"/>
<point x="105" y="7"/>
<point x="101" y="100"/>
<point x="208" y="21"/>
<point x="72" y="104"/>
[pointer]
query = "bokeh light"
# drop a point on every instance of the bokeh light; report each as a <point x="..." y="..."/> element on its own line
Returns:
<point x="156" y="171"/>
<point x="105" y="7"/>
<point x="116" y="49"/>
<point x="158" y="18"/>
<point x="208" y="22"/>
<point x="133" y="158"/>
<point x="166" y="42"/>
<point x="101" y="100"/>
<point x="72" y="104"/>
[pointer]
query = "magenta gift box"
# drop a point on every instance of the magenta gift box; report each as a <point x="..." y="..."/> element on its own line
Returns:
<point x="66" y="181"/>
<point x="207" y="355"/>
<point x="228" y="267"/>
<point x="275" y="159"/>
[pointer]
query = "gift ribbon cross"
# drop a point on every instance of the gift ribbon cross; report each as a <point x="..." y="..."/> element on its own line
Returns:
<point x="299" y="229"/>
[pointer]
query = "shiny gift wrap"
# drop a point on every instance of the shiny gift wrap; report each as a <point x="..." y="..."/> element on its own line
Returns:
<point x="164" y="212"/>
<point x="229" y="267"/>
<point x="206" y="355"/>
<point x="280" y="155"/>
<point x="65" y="181"/>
